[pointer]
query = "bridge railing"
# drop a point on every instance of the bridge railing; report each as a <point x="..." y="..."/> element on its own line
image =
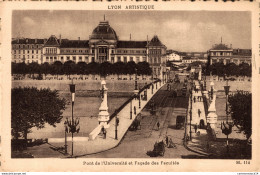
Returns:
<point x="117" y="111"/>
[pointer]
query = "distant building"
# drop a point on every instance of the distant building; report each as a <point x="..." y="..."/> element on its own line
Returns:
<point x="190" y="57"/>
<point x="103" y="45"/>
<point x="27" y="50"/>
<point x="223" y="53"/>
<point x="173" y="57"/>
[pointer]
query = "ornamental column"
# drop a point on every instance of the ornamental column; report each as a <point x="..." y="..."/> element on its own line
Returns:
<point x="103" y="116"/>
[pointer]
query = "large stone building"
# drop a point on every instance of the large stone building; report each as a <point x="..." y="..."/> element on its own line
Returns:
<point x="223" y="53"/>
<point x="103" y="45"/>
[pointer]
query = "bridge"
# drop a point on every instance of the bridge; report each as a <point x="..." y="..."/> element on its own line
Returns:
<point x="125" y="114"/>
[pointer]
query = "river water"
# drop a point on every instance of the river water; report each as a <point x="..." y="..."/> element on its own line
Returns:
<point x="86" y="109"/>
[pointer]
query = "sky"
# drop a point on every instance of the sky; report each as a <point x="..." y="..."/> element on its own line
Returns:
<point x="187" y="31"/>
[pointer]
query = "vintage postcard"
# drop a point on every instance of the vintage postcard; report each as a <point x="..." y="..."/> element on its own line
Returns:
<point x="129" y="86"/>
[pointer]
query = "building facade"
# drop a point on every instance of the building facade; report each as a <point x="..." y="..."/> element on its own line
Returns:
<point x="223" y="53"/>
<point x="103" y="45"/>
<point x="27" y="50"/>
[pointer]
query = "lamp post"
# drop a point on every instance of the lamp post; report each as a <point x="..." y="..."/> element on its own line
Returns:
<point x="145" y="91"/>
<point x="190" y="112"/>
<point x="139" y="97"/>
<point x="211" y="89"/>
<point x="226" y="128"/>
<point x="116" y="123"/>
<point x="152" y="79"/>
<point x="66" y="131"/>
<point x="131" y="110"/>
<point x="72" y="124"/>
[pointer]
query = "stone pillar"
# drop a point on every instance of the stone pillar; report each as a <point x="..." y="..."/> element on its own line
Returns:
<point x="103" y="116"/>
<point x="212" y="117"/>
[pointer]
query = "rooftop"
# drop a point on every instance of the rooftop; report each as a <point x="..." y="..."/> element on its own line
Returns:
<point x="28" y="41"/>
<point x="131" y="44"/>
<point x="220" y="47"/>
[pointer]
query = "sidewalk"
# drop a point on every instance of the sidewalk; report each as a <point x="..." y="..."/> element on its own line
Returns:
<point x="199" y="142"/>
<point x="99" y="144"/>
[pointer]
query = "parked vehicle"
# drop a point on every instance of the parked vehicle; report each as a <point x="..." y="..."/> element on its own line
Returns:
<point x="180" y="121"/>
<point x="159" y="149"/>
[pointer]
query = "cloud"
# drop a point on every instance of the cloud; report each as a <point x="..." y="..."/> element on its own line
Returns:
<point x="28" y="21"/>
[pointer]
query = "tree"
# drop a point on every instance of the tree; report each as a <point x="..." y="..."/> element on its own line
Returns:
<point x="69" y="67"/>
<point x="33" y="68"/>
<point x="105" y="68"/>
<point x="240" y="108"/>
<point x="92" y="68"/>
<point x="244" y="69"/>
<point x="45" y="68"/>
<point x="31" y="107"/>
<point x="57" y="68"/>
<point x="119" y="68"/>
<point x="81" y="68"/>
<point x="131" y="67"/>
<point x="143" y="68"/>
<point x="232" y="69"/>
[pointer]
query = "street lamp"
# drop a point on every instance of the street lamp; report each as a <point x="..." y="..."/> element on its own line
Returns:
<point x="226" y="128"/>
<point x="131" y="110"/>
<point x="211" y="89"/>
<point x="66" y="131"/>
<point x="152" y="78"/>
<point x="116" y="124"/>
<point x="136" y="79"/>
<point x="190" y="112"/>
<point x="139" y="97"/>
<point x="72" y="124"/>
<point x="145" y="91"/>
<point x="205" y="85"/>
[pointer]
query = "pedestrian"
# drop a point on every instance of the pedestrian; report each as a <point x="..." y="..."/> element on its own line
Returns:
<point x="104" y="133"/>
<point x="117" y="121"/>
<point x="199" y="112"/>
<point x="158" y="125"/>
<point x="195" y="128"/>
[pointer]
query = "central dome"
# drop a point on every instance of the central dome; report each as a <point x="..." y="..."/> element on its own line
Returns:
<point x="104" y="31"/>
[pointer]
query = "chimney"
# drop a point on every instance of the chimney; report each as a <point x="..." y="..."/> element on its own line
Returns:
<point x="130" y="36"/>
<point x="79" y="38"/>
<point x="60" y="38"/>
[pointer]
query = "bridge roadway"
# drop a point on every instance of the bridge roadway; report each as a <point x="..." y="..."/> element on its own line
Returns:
<point x="135" y="144"/>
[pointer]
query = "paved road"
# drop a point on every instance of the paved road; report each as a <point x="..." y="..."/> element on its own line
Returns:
<point x="137" y="143"/>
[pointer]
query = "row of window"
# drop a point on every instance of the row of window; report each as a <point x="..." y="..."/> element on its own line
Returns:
<point x="28" y="61"/>
<point x="26" y="56"/>
<point x="26" y="51"/>
<point x="27" y="46"/>
<point x="155" y="60"/>
<point x="221" y="53"/>
<point x="155" y="51"/>
<point x="73" y="51"/>
<point x="51" y="50"/>
<point x="131" y="51"/>
<point x="86" y="59"/>
<point x="227" y="61"/>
